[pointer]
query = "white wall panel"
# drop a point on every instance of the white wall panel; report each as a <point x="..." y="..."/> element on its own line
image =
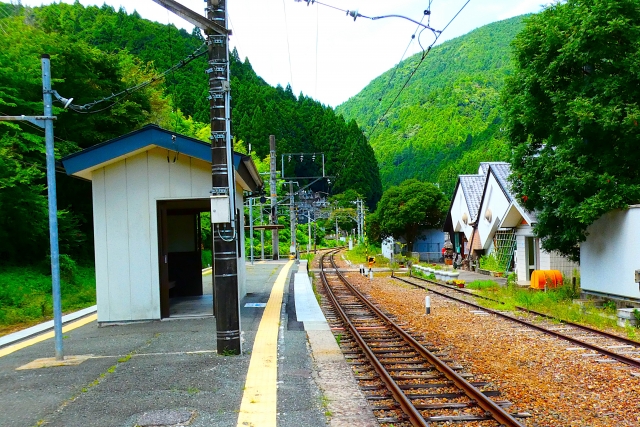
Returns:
<point x="158" y="189"/>
<point x="139" y="237"/>
<point x="201" y="178"/>
<point x="100" y="243"/>
<point x="611" y="254"/>
<point x="180" y="177"/>
<point x="118" y="241"/>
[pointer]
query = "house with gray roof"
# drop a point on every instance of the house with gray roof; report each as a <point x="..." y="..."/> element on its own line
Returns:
<point x="486" y="218"/>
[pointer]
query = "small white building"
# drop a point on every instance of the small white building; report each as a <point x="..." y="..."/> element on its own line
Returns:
<point x="491" y="221"/>
<point x="149" y="189"/>
<point x="610" y="256"/>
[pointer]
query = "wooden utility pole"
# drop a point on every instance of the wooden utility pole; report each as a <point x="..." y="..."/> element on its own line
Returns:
<point x="224" y="218"/>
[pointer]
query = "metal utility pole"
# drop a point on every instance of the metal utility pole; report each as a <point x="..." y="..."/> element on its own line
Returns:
<point x="46" y="122"/>
<point x="251" y="226"/>
<point x="337" y="231"/>
<point x="292" y="217"/>
<point x="274" y="197"/>
<point x="309" y="231"/>
<point x="53" y="204"/>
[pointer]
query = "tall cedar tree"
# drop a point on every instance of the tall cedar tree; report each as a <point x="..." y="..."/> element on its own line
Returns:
<point x="572" y="116"/>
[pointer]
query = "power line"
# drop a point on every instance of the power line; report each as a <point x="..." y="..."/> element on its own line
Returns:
<point x="393" y="74"/>
<point x="83" y="108"/>
<point x="286" y="28"/>
<point x="317" y="33"/>
<point x="425" y="53"/>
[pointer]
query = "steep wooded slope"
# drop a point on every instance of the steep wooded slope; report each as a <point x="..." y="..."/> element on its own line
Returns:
<point x="448" y="118"/>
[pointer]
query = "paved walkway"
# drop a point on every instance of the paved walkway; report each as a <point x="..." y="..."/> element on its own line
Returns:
<point x="168" y="372"/>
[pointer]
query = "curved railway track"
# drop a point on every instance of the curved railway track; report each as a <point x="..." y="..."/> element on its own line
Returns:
<point x="580" y="335"/>
<point x="408" y="383"/>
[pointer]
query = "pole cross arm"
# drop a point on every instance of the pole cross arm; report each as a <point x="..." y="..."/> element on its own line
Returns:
<point x="192" y="17"/>
<point x="36" y="120"/>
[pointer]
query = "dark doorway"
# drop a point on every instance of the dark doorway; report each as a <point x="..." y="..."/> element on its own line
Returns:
<point x="180" y="259"/>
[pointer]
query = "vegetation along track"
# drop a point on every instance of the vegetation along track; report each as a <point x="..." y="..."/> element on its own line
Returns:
<point x="612" y="346"/>
<point x="408" y="384"/>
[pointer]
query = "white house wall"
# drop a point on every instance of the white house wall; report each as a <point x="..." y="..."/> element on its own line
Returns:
<point x="458" y="208"/>
<point x="520" y="258"/>
<point x="495" y="200"/>
<point x="610" y="255"/>
<point x="125" y="196"/>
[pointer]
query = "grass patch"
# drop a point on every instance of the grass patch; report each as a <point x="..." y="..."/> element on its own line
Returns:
<point x="483" y="285"/>
<point x="26" y="294"/>
<point x="554" y="302"/>
<point x="359" y="253"/>
<point x="207" y="260"/>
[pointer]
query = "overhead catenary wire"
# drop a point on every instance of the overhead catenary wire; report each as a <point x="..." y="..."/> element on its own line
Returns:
<point x="425" y="53"/>
<point x="395" y="70"/>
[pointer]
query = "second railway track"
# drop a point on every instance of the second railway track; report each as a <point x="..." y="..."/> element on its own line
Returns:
<point x="609" y="345"/>
<point x="407" y="382"/>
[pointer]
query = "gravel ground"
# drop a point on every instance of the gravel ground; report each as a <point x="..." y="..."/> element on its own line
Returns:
<point x="538" y="373"/>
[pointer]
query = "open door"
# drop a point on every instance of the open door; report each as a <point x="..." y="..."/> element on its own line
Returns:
<point x="179" y="252"/>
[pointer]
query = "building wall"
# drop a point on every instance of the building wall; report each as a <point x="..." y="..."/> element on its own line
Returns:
<point x="458" y="208"/>
<point x="547" y="260"/>
<point x="496" y="201"/>
<point x="610" y="255"/>
<point x="566" y="266"/>
<point x="125" y="196"/>
<point x="432" y="241"/>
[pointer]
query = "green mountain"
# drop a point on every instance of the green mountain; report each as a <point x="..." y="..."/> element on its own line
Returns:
<point x="447" y="119"/>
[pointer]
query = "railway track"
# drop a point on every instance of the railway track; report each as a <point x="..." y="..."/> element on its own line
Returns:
<point x="406" y="381"/>
<point x="612" y="347"/>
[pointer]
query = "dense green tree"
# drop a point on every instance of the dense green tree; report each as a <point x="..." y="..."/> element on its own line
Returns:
<point x="23" y="203"/>
<point x="408" y="208"/>
<point x="573" y="107"/>
<point x="97" y="51"/>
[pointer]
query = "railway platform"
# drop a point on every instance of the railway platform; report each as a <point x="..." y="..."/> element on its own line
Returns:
<point x="291" y="372"/>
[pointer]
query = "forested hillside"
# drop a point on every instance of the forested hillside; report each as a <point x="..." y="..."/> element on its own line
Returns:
<point x="448" y="118"/>
<point x="97" y="51"/>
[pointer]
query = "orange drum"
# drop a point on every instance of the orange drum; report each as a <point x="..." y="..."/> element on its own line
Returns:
<point x="550" y="278"/>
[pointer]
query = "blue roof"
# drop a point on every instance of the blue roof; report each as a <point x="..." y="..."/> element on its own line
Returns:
<point x="125" y="144"/>
<point x="153" y="135"/>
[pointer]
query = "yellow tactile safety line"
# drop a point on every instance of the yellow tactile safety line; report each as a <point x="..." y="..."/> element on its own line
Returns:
<point x="48" y="335"/>
<point x="259" y="400"/>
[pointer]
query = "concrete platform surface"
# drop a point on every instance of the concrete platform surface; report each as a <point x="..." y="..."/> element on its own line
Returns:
<point x="162" y="373"/>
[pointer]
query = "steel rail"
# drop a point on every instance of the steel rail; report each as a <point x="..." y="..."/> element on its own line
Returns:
<point x="415" y="417"/>
<point x="603" y="351"/>
<point x="537" y="313"/>
<point x="497" y="412"/>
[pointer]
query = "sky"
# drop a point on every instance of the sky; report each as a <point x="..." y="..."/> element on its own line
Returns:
<point x="322" y="52"/>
